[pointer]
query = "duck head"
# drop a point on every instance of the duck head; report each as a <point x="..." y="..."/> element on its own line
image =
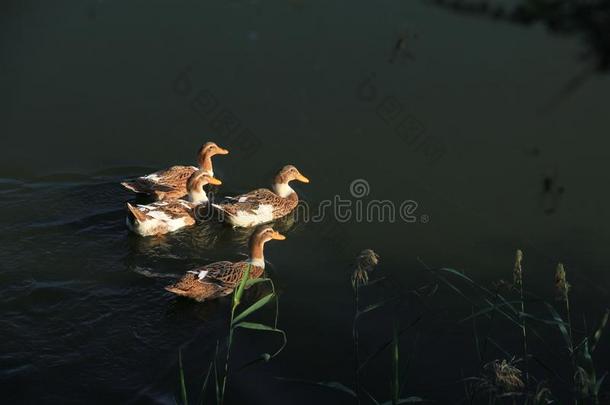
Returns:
<point x="205" y="154"/>
<point x="257" y="242"/>
<point x="286" y="175"/>
<point x="195" y="183"/>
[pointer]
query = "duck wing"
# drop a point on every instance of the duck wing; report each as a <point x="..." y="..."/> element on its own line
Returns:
<point x="226" y="273"/>
<point x="190" y="286"/>
<point x="251" y="202"/>
<point x="168" y="183"/>
<point x="166" y="210"/>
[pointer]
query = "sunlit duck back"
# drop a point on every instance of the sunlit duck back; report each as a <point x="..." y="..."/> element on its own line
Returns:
<point x="171" y="183"/>
<point x="263" y="205"/>
<point x="167" y="216"/>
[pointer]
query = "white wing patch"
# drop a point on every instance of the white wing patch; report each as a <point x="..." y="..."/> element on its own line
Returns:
<point x="158" y="221"/>
<point x="154" y="177"/>
<point x="200" y="274"/>
<point x="264" y="213"/>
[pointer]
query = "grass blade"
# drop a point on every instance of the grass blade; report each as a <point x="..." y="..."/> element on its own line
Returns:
<point x="600" y="382"/>
<point x="409" y="400"/>
<point x="561" y="325"/>
<point x="375" y="306"/>
<point x="371" y="397"/>
<point x="327" y="384"/>
<point x="262" y="327"/>
<point x="387" y="344"/>
<point x="182" y="382"/>
<point x="598" y="332"/>
<point x="242" y="285"/>
<point x="206" y="380"/>
<point x="252" y="308"/>
<point x="395" y="365"/>
<point x="253" y="281"/>
<point x="492" y="308"/>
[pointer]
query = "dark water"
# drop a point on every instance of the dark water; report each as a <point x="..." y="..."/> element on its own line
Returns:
<point x="470" y="121"/>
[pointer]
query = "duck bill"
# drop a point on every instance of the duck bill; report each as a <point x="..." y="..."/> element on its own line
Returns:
<point x="278" y="236"/>
<point x="302" y="178"/>
<point x="222" y="151"/>
<point x="214" y="181"/>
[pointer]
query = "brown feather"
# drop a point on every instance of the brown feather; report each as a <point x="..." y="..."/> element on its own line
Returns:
<point x="138" y="215"/>
<point x="262" y="196"/>
<point x="171" y="183"/>
<point x="222" y="278"/>
<point x="190" y="286"/>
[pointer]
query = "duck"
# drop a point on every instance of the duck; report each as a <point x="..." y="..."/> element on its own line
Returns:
<point x="263" y="205"/>
<point x="162" y="217"/>
<point x="219" y="279"/>
<point x="171" y="183"/>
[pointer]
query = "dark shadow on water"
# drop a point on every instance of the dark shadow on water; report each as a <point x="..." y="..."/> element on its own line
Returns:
<point x="588" y="20"/>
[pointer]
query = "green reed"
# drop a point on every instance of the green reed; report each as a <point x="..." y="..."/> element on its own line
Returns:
<point x="366" y="261"/>
<point x="501" y="379"/>
<point x="237" y="321"/>
<point x="584" y="384"/>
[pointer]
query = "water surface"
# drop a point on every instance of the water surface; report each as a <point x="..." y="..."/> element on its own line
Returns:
<point x="101" y="90"/>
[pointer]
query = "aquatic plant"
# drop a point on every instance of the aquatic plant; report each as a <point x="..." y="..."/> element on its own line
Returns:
<point x="506" y="375"/>
<point x="518" y="283"/>
<point x="501" y="378"/>
<point x="365" y="263"/>
<point x="237" y="321"/>
<point x="505" y="378"/>
<point x="586" y="384"/>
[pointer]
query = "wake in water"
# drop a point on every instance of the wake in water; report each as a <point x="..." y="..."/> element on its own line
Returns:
<point x="151" y="274"/>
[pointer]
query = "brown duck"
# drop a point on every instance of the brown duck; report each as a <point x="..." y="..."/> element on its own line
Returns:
<point x="171" y="183"/>
<point x="162" y="217"/>
<point x="221" y="278"/>
<point x="263" y="205"/>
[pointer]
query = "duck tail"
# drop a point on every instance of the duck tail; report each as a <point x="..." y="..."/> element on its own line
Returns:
<point x="138" y="215"/>
<point x="175" y="290"/>
<point x="131" y="185"/>
<point x="222" y="208"/>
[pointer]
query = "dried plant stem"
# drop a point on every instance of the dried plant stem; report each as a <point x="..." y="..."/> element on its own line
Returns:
<point x="518" y="278"/>
<point x="395" y="364"/>
<point x="356" y="339"/>
<point x="572" y="359"/>
<point x="563" y="294"/>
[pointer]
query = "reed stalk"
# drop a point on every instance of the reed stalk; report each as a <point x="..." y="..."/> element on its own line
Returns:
<point x="562" y="289"/>
<point x="395" y="364"/>
<point x="518" y="283"/>
<point x="235" y="303"/>
<point x="365" y="262"/>
<point x="356" y="339"/>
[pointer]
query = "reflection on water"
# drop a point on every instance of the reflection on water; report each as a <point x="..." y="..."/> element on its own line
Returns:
<point x="588" y="20"/>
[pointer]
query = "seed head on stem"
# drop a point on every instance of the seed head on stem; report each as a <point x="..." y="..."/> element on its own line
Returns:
<point x="366" y="261"/>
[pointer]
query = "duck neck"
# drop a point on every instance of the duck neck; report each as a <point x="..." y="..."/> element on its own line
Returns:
<point x="257" y="257"/>
<point x="198" y="195"/>
<point x="283" y="189"/>
<point x="205" y="163"/>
